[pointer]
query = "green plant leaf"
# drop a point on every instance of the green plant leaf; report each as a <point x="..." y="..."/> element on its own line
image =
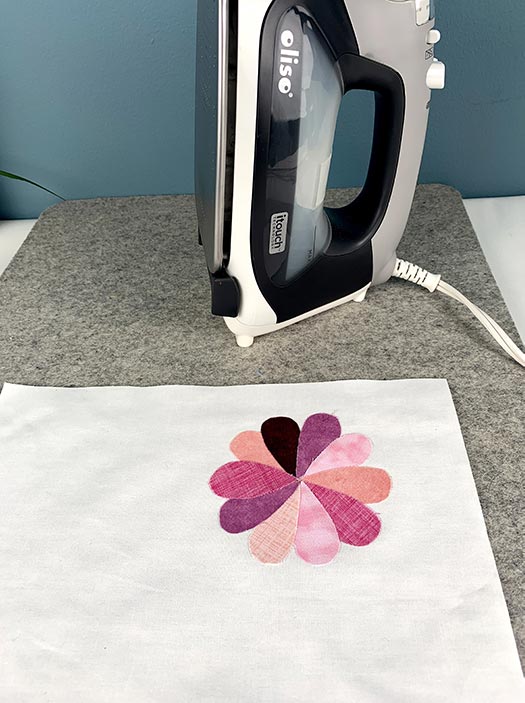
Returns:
<point x="6" y="174"/>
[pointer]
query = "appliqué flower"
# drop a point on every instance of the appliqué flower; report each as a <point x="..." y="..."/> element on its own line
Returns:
<point x="304" y="487"/>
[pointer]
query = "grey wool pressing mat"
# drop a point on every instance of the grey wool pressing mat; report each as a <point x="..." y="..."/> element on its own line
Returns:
<point x="115" y="292"/>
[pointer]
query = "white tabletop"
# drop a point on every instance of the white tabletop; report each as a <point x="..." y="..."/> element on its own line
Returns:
<point x="500" y="226"/>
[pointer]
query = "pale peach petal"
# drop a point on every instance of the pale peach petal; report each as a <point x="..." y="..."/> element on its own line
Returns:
<point x="272" y="540"/>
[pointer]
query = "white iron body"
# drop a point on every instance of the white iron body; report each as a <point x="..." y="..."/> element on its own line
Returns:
<point x="396" y="33"/>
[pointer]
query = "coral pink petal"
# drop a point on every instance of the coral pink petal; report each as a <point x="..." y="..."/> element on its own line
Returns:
<point x="272" y="540"/>
<point x="250" y="446"/>
<point x="356" y="524"/>
<point x="241" y="515"/>
<point x="317" y="540"/>
<point x="246" y="479"/>
<point x="317" y="433"/>
<point x="348" y="450"/>
<point x="364" y="483"/>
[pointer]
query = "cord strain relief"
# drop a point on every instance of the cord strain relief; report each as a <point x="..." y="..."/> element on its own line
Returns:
<point x="415" y="274"/>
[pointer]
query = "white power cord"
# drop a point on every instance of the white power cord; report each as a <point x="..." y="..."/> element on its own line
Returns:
<point x="432" y="282"/>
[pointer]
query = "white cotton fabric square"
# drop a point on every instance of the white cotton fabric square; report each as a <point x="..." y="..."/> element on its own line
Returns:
<point x="118" y="584"/>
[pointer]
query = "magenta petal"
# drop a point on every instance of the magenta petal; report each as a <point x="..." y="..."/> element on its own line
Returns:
<point x="248" y="479"/>
<point x="354" y="521"/>
<point x="318" y="432"/>
<point x="241" y="515"/>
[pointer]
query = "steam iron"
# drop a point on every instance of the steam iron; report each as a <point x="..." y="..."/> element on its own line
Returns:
<point x="271" y="76"/>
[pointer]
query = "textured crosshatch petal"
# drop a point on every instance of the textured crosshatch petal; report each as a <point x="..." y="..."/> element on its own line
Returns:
<point x="317" y="540"/>
<point x="272" y="540"/>
<point x="365" y="483"/>
<point x="247" y="479"/>
<point x="348" y="450"/>
<point x="250" y="446"/>
<point x="317" y="433"/>
<point x="355" y="522"/>
<point x="241" y="515"/>
<point x="281" y="436"/>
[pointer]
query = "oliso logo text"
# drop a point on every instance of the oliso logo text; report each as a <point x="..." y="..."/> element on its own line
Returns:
<point x="289" y="58"/>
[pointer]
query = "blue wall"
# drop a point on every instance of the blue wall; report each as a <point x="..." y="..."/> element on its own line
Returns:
<point x="96" y="98"/>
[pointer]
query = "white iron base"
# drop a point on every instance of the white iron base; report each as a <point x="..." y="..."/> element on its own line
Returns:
<point x="245" y="334"/>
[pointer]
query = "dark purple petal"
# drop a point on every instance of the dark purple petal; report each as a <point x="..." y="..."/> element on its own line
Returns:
<point x="241" y="515"/>
<point x="281" y="436"/>
<point x="318" y="432"/>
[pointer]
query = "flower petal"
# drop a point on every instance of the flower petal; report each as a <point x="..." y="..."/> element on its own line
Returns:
<point x="250" y="446"/>
<point x="281" y="436"/>
<point x="348" y="450"/>
<point x="364" y="483"/>
<point x="356" y="524"/>
<point x="246" y="479"/>
<point x="272" y="540"/>
<point x="316" y="541"/>
<point x="241" y="515"/>
<point x="318" y="432"/>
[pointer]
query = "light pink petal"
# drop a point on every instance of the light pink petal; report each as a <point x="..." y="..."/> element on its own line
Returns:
<point x="364" y="483"/>
<point x="356" y="524"/>
<point x="272" y="540"/>
<point x="317" y="540"/>
<point x="246" y="479"/>
<point x="348" y="450"/>
<point x="250" y="446"/>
